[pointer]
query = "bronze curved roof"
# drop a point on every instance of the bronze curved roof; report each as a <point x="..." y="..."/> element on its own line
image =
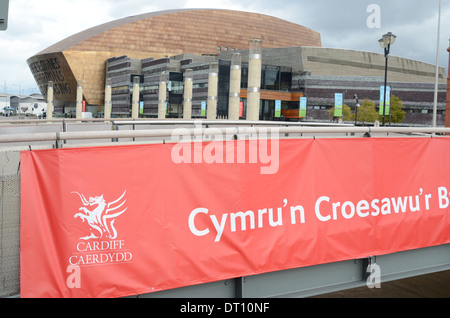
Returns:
<point x="178" y="31"/>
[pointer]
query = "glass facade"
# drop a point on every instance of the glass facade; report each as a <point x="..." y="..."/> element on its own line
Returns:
<point x="277" y="78"/>
<point x="175" y="88"/>
<point x="273" y="78"/>
<point x="223" y="89"/>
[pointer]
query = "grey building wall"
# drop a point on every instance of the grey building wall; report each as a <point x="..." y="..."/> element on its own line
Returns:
<point x="317" y="72"/>
<point x="328" y="61"/>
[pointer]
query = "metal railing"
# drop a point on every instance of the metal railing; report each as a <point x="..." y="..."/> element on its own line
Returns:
<point x="210" y="128"/>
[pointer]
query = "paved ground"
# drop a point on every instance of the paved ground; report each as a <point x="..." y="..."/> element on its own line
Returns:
<point x="435" y="285"/>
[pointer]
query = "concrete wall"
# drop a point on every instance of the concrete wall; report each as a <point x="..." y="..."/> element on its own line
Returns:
<point x="328" y="61"/>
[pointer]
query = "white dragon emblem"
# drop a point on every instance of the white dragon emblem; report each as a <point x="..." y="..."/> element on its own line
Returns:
<point x="102" y="217"/>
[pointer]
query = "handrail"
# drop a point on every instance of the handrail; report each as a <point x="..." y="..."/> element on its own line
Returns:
<point x="172" y="121"/>
<point x="168" y="133"/>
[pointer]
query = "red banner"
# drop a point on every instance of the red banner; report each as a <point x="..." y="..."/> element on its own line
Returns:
<point x="124" y="220"/>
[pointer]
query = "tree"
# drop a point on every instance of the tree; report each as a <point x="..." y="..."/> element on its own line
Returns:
<point x="347" y="114"/>
<point x="397" y="113"/>
<point x="367" y="112"/>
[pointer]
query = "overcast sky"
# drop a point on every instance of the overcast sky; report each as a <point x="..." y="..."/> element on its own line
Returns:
<point x="349" y="24"/>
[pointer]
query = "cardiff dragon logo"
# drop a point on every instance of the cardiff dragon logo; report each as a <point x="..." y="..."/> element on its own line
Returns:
<point x="102" y="217"/>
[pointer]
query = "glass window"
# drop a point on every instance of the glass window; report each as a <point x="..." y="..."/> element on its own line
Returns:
<point x="200" y="85"/>
<point x="175" y="87"/>
<point x="176" y="76"/>
<point x="223" y="88"/>
<point x="271" y="79"/>
<point x="244" y="77"/>
<point x="286" y="81"/>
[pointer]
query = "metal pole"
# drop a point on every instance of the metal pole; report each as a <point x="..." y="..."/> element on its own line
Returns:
<point x="254" y="79"/>
<point x="229" y="131"/>
<point x="107" y="105"/>
<point x="162" y="94"/>
<point x="211" y="110"/>
<point x="437" y="68"/>
<point x="135" y="98"/>
<point x="50" y="100"/>
<point x="79" y="102"/>
<point x="235" y="86"/>
<point x="386" y="54"/>
<point x="187" y="103"/>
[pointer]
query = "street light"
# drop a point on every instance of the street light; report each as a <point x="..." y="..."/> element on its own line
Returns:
<point x="385" y="42"/>
<point x="356" y="107"/>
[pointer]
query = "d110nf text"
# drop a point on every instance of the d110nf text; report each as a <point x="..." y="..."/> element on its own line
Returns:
<point x="235" y="307"/>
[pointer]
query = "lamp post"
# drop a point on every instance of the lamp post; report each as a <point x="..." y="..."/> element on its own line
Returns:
<point x="436" y="80"/>
<point x="385" y="42"/>
<point x="356" y="107"/>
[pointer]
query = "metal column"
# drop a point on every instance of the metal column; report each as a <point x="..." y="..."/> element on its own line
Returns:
<point x="211" y="112"/>
<point x="235" y="86"/>
<point x="187" y="104"/>
<point x="254" y="79"/>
